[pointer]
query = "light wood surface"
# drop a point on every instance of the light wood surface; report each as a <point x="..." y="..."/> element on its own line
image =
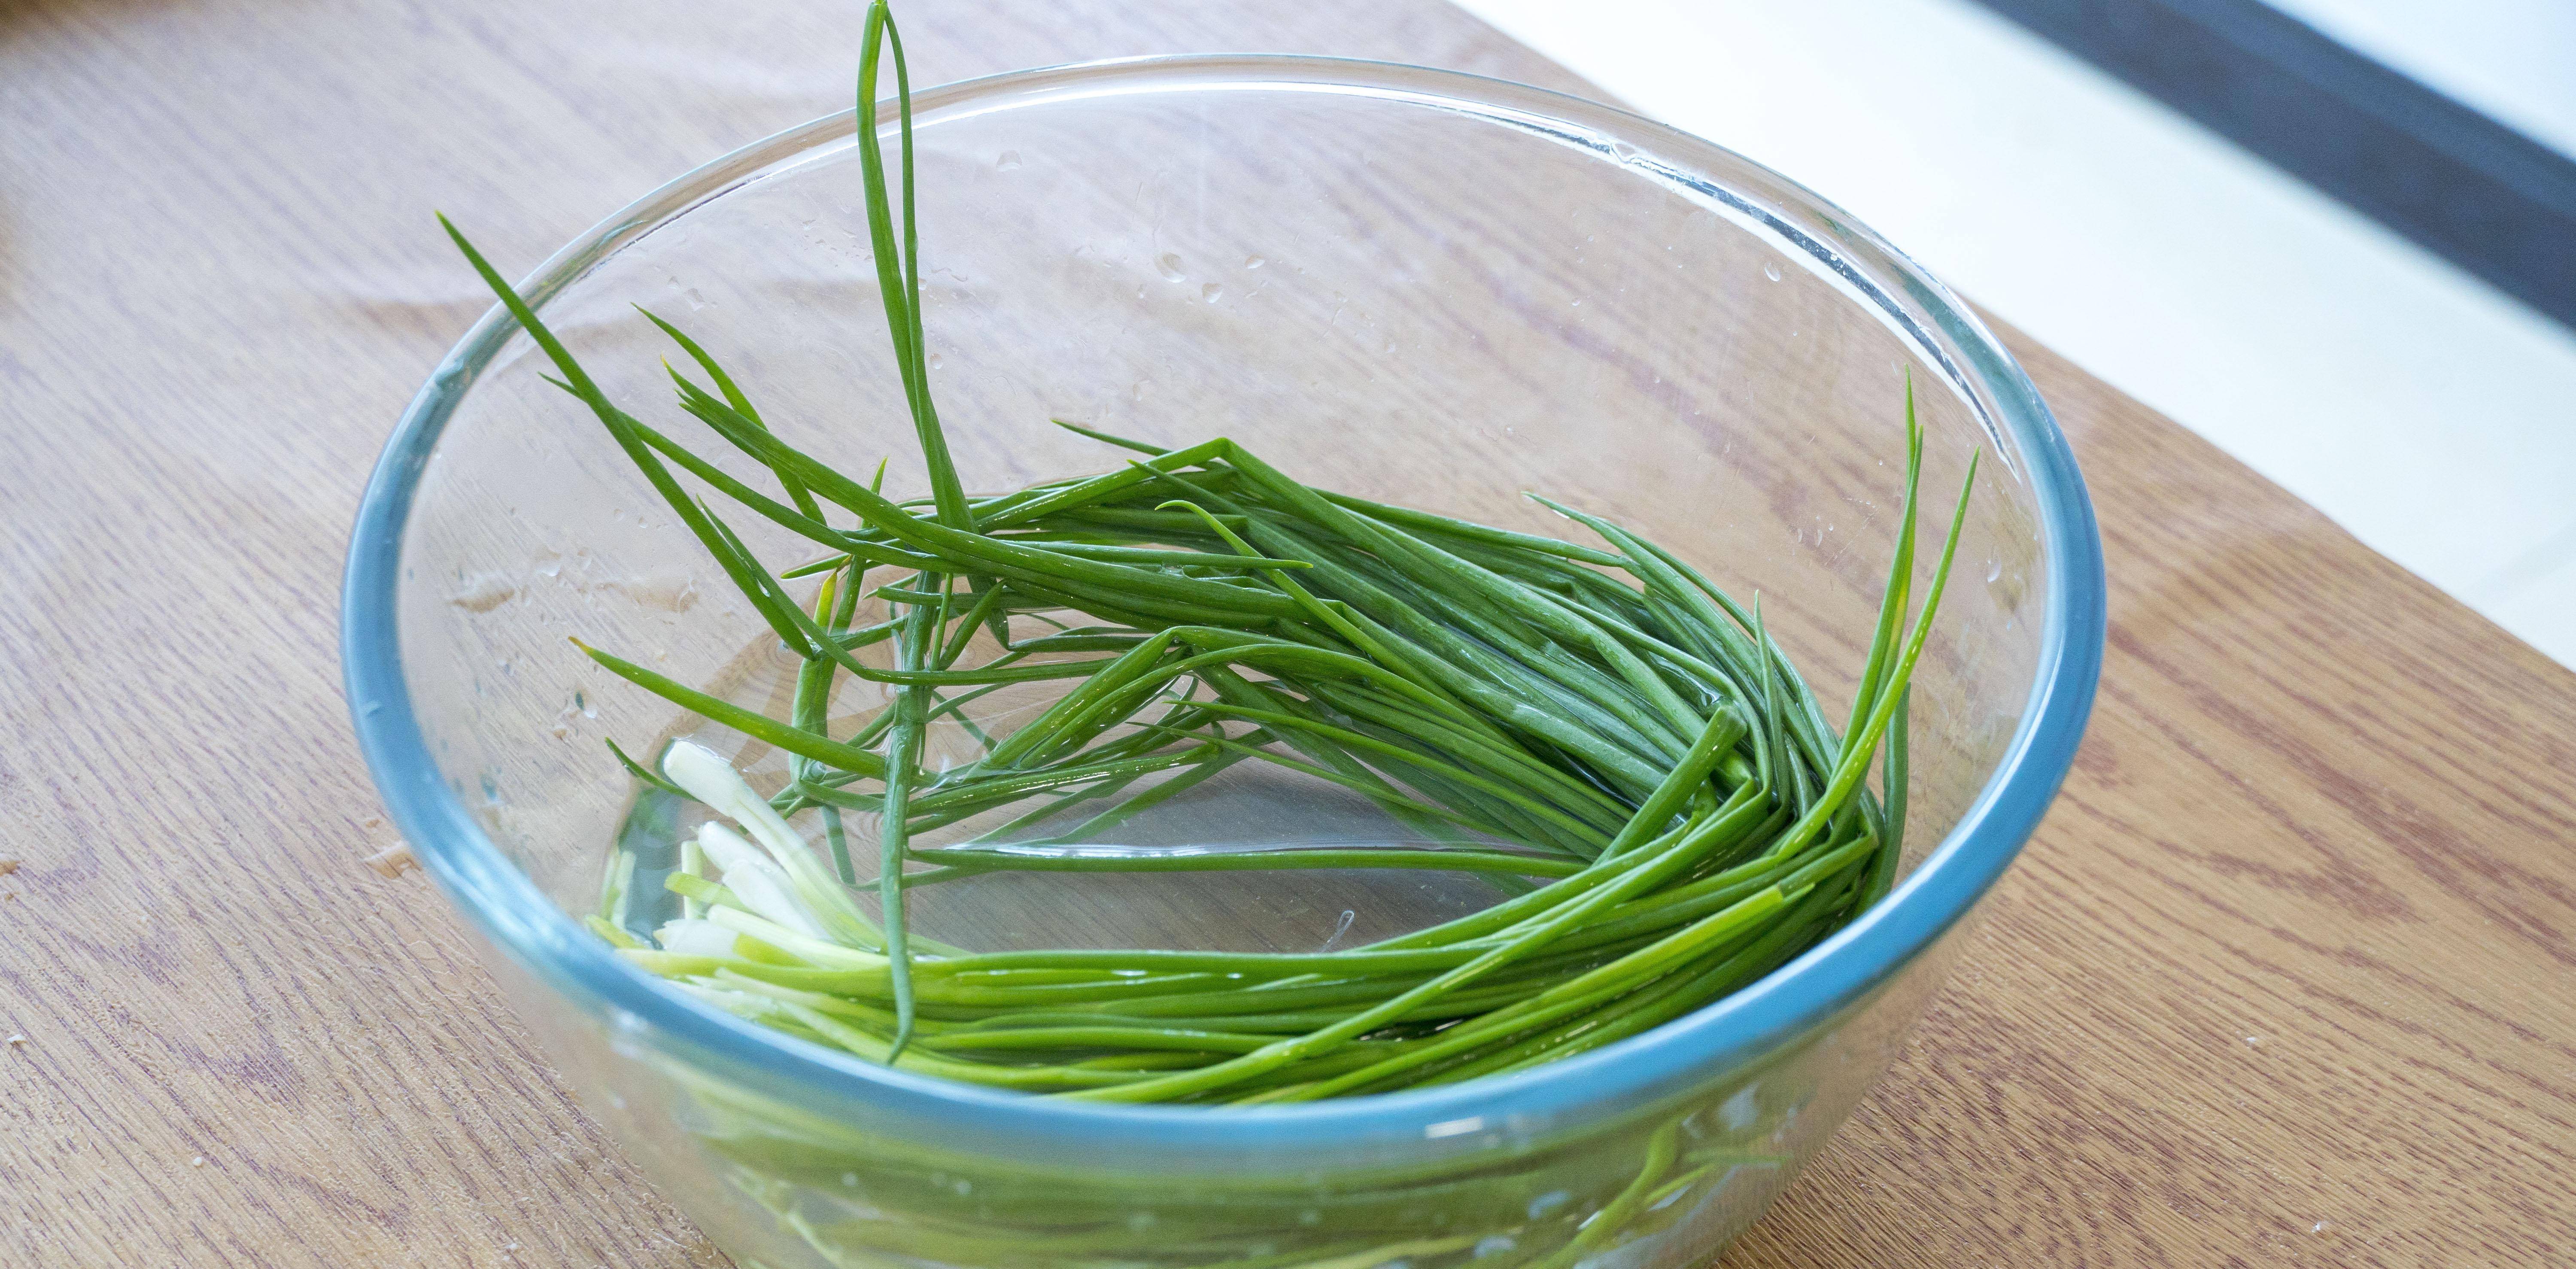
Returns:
<point x="2284" y="979"/>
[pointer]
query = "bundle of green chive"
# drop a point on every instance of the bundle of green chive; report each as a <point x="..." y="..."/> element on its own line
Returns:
<point x="1601" y="730"/>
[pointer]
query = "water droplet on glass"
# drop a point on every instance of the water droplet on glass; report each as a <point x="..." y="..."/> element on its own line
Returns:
<point x="1170" y="263"/>
<point x="1211" y="292"/>
<point x="934" y="361"/>
<point x="1349" y="915"/>
<point x="1771" y="270"/>
<point x="1010" y="159"/>
<point x="1994" y="570"/>
<point x="1253" y="262"/>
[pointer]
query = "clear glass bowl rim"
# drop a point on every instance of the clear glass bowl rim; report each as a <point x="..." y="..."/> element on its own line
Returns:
<point x="519" y="919"/>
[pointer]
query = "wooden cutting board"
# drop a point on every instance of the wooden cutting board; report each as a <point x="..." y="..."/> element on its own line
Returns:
<point x="2288" y="977"/>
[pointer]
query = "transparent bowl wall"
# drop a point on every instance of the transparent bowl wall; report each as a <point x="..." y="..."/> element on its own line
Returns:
<point x="1415" y="286"/>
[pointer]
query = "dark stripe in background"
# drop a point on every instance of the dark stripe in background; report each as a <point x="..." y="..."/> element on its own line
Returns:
<point x="2470" y="189"/>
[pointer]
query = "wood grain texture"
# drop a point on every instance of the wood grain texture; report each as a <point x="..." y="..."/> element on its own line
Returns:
<point x="2283" y="979"/>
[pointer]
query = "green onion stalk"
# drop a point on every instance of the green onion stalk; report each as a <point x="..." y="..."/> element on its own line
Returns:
<point x="1595" y="727"/>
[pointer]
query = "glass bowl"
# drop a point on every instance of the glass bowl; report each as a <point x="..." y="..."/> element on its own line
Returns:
<point x="1414" y="285"/>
